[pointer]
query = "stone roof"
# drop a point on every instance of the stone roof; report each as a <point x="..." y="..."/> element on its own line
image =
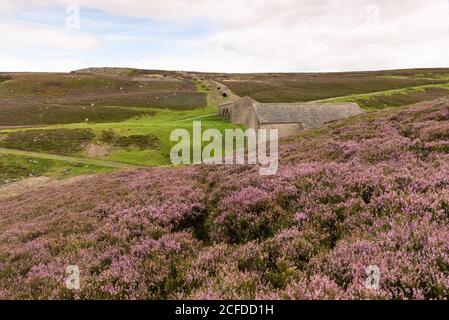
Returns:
<point x="310" y="115"/>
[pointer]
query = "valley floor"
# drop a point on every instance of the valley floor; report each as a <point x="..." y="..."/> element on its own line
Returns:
<point x="133" y="134"/>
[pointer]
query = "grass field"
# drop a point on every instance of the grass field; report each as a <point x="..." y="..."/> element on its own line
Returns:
<point x="125" y="116"/>
<point x="361" y="191"/>
<point x="379" y="195"/>
<point x="131" y="128"/>
<point x="38" y="98"/>
<point x="14" y="168"/>
<point x="302" y="87"/>
<point x="30" y="115"/>
<point x="159" y="126"/>
<point x="396" y="98"/>
<point x="67" y="88"/>
<point x="156" y="129"/>
<point x="58" y="141"/>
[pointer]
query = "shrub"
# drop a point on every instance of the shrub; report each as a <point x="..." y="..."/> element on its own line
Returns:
<point x="209" y="232"/>
<point x="141" y="141"/>
<point x="59" y="141"/>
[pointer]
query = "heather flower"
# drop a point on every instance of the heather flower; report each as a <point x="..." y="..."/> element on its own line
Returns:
<point x="374" y="192"/>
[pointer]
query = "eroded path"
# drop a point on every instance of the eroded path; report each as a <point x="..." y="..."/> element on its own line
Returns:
<point x="33" y="184"/>
<point x="98" y="162"/>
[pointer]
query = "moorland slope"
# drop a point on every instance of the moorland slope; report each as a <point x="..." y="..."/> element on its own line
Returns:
<point x="97" y="119"/>
<point x="366" y="191"/>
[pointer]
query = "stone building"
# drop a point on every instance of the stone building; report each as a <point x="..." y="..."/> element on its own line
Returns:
<point x="288" y="118"/>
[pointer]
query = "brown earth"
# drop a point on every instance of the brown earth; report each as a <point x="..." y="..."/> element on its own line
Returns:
<point x="98" y="150"/>
<point x="34" y="184"/>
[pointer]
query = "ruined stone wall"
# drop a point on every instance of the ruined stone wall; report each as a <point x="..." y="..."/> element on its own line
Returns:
<point x="241" y="110"/>
<point x="252" y="121"/>
<point x="288" y="118"/>
<point x="238" y="111"/>
<point x="224" y="111"/>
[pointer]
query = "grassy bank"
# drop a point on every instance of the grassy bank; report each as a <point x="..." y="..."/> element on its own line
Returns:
<point x="16" y="167"/>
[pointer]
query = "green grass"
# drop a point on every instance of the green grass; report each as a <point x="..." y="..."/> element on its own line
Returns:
<point x="396" y="98"/>
<point x="160" y="126"/>
<point x="442" y="75"/>
<point x="157" y="128"/>
<point x="141" y="135"/>
<point x="15" y="168"/>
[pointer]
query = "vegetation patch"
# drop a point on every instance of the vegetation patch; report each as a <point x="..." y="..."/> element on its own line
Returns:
<point x="58" y="141"/>
<point x="49" y="86"/>
<point x="298" y="87"/>
<point x="75" y="89"/>
<point x="15" y="168"/>
<point x="98" y="150"/>
<point x="401" y="99"/>
<point x="161" y="100"/>
<point x="143" y="142"/>
<point x="19" y="115"/>
<point x="225" y="232"/>
<point x="4" y="78"/>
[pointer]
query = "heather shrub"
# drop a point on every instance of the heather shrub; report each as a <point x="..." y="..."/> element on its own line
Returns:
<point x="61" y="141"/>
<point x="140" y="141"/>
<point x="372" y="192"/>
<point x="315" y="288"/>
<point x="243" y="216"/>
<point x="406" y="273"/>
<point x="435" y="132"/>
<point x="107" y="136"/>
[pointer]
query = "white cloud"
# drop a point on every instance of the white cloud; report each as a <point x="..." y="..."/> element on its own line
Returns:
<point x="23" y="36"/>
<point x="293" y="35"/>
<point x="327" y="36"/>
<point x="248" y="13"/>
<point x="10" y="63"/>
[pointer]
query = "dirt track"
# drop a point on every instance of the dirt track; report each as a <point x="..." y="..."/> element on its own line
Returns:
<point x="97" y="162"/>
<point x="30" y="184"/>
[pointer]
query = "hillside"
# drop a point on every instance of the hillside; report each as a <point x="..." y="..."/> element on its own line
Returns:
<point x="124" y="116"/>
<point x="371" y="90"/>
<point x="360" y="192"/>
<point x="97" y="120"/>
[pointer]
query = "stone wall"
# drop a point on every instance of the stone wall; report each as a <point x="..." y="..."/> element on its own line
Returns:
<point x="252" y="121"/>
<point x="284" y="129"/>
<point x="224" y="111"/>
<point x="241" y="109"/>
<point x="288" y="118"/>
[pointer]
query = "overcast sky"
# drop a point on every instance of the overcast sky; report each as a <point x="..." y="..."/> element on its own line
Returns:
<point x="224" y="35"/>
